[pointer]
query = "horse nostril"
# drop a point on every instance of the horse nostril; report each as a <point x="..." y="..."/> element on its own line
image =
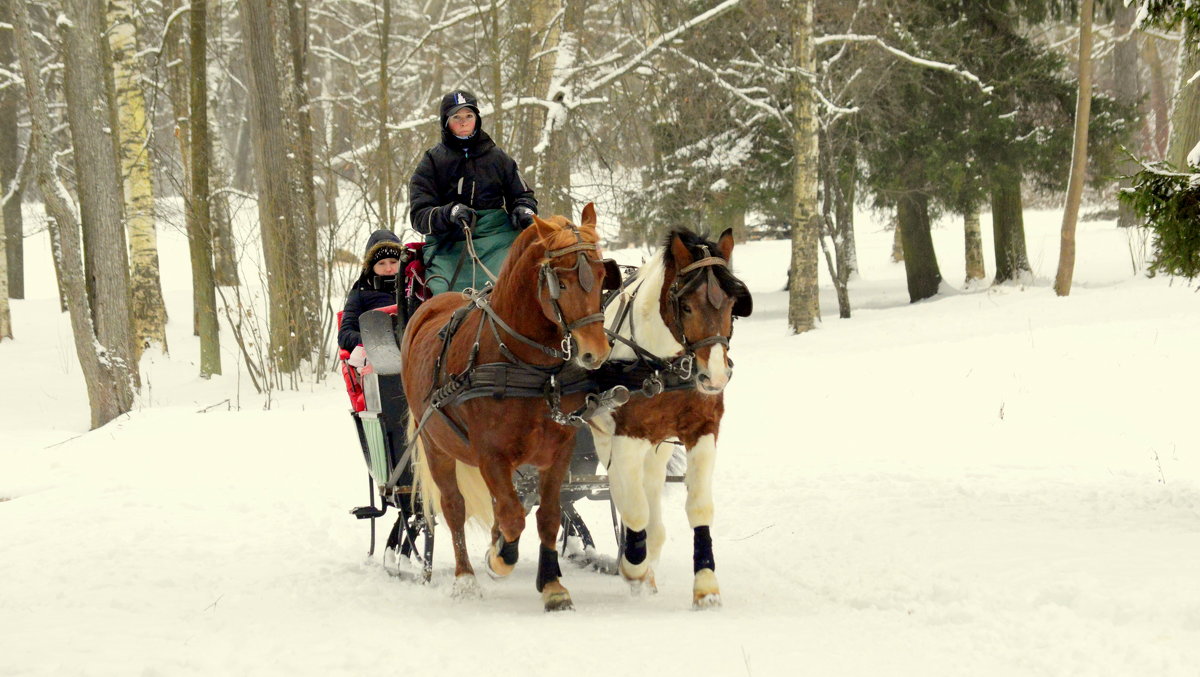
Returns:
<point x="589" y="359"/>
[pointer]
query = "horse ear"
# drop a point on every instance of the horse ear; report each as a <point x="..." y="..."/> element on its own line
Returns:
<point x="588" y="218"/>
<point x="725" y="245"/>
<point x="680" y="253"/>
<point x="545" y="229"/>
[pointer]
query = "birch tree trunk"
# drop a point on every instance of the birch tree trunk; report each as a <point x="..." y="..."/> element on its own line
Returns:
<point x="90" y="118"/>
<point x="1083" y="115"/>
<point x="803" y="299"/>
<point x="1185" y="114"/>
<point x="283" y="217"/>
<point x="5" y="316"/>
<point x="551" y="177"/>
<point x="147" y="306"/>
<point x="9" y="158"/>
<point x="973" y="239"/>
<point x="200" y="238"/>
<point x="109" y="389"/>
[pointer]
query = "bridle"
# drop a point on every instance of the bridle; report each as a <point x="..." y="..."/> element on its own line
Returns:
<point x="548" y="279"/>
<point x="704" y="269"/>
<point x="681" y="368"/>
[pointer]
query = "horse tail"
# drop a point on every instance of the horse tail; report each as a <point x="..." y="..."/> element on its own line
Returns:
<point x="423" y="484"/>
<point x="476" y="496"/>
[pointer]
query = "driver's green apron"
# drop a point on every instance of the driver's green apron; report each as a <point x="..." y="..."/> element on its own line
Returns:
<point x="492" y="237"/>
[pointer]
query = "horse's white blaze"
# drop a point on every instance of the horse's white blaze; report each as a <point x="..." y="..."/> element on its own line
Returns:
<point x="626" y="472"/>
<point x="701" y="459"/>
<point x="717" y="369"/>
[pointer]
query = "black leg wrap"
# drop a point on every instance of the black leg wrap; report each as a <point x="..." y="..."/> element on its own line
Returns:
<point x="635" y="546"/>
<point x="702" y="554"/>
<point x="547" y="567"/>
<point x="508" y="551"/>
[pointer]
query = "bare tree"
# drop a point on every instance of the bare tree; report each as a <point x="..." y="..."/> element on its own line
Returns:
<point x="87" y="79"/>
<point x="109" y="388"/>
<point x="200" y="237"/>
<point x="5" y="316"/>
<point x="804" y="308"/>
<point x="148" y="308"/>
<point x="285" y="218"/>
<point x="1083" y="114"/>
<point x="10" y="185"/>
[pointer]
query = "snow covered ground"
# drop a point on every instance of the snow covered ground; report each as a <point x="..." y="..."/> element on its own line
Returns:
<point x="993" y="482"/>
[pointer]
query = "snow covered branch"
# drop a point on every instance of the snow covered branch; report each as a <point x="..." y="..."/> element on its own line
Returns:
<point x="658" y="42"/>
<point x="924" y="63"/>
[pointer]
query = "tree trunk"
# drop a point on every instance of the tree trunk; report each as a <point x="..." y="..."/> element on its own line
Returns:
<point x="843" y="209"/>
<point x="9" y="158"/>
<point x="1008" y="227"/>
<point x="1083" y="115"/>
<point x="897" y="244"/>
<point x="97" y="175"/>
<point x="383" y="153"/>
<point x="220" y="179"/>
<point x="561" y="46"/>
<point x="1127" y="88"/>
<point x="175" y="51"/>
<point x="147" y="306"/>
<point x="109" y="388"/>
<point x="804" y="309"/>
<point x="920" y="261"/>
<point x="973" y="236"/>
<point x="1157" y="104"/>
<point x="200" y="239"/>
<point x="1185" y="115"/>
<point x="5" y="317"/>
<point x="283" y="216"/>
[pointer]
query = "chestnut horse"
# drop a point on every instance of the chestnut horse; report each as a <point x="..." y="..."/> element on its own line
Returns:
<point x="540" y="324"/>
<point x="671" y="325"/>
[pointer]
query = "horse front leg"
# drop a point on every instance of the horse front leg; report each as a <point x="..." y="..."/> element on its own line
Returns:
<point x="702" y="456"/>
<point x="555" y="596"/>
<point x="626" y="475"/>
<point x="502" y="554"/>
<point x="654" y="478"/>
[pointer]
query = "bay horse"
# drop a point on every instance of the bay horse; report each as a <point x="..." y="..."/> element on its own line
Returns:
<point x="671" y="326"/>
<point x="485" y="375"/>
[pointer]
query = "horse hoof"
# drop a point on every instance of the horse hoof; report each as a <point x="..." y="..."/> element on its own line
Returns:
<point x="706" y="593"/>
<point x="466" y="587"/>
<point x="644" y="586"/>
<point x="556" y="598"/>
<point x="495" y="565"/>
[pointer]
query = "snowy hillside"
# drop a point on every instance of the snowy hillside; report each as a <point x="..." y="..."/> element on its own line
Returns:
<point x="992" y="482"/>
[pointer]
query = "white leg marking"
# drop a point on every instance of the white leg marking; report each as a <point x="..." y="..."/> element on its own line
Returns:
<point x="625" y="473"/>
<point x="655" y="477"/>
<point x="701" y="459"/>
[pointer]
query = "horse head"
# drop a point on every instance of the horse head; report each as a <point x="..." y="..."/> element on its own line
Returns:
<point x="571" y="278"/>
<point x="699" y="300"/>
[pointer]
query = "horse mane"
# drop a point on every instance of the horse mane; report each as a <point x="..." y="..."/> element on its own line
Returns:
<point x="561" y="238"/>
<point x="694" y="243"/>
